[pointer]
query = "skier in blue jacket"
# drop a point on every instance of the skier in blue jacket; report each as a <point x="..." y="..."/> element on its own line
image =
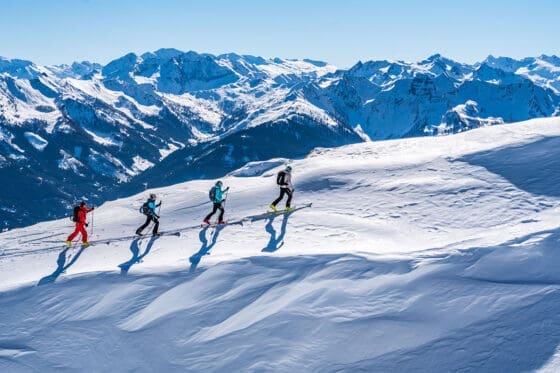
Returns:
<point x="149" y="209"/>
<point x="216" y="195"/>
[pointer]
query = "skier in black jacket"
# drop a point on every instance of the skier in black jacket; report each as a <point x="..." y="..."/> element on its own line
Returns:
<point x="284" y="180"/>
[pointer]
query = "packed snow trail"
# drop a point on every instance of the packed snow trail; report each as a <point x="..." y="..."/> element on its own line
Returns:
<point x="418" y="254"/>
<point x="177" y="232"/>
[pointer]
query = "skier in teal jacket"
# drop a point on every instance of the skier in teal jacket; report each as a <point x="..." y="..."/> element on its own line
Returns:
<point x="217" y="197"/>
<point x="149" y="209"/>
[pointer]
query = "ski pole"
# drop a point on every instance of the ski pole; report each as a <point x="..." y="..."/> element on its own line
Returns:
<point x="226" y="197"/>
<point x="225" y="200"/>
<point x="159" y="210"/>
<point x="92" y="212"/>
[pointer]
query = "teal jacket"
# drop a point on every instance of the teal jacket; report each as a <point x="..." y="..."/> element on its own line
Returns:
<point x="219" y="194"/>
<point x="152" y="206"/>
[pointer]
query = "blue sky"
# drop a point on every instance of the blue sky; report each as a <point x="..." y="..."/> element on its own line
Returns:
<point x="340" y="32"/>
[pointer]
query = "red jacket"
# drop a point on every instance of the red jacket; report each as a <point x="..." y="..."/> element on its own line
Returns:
<point x="82" y="215"/>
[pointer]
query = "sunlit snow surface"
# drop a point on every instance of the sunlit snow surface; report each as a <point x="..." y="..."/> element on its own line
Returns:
<point x="423" y="254"/>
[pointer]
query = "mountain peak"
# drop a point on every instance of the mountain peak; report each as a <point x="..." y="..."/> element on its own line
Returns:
<point x="17" y="68"/>
<point x="162" y="53"/>
<point x="434" y="57"/>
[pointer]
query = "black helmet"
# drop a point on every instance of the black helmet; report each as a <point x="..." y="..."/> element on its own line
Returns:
<point x="219" y="183"/>
<point x="152" y="196"/>
<point x="289" y="168"/>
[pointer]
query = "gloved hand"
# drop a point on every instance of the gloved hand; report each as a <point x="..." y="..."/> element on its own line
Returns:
<point x="87" y="224"/>
<point x="159" y="204"/>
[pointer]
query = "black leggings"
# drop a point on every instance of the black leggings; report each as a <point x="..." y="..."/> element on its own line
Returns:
<point x="217" y="206"/>
<point x="282" y="192"/>
<point x="149" y="218"/>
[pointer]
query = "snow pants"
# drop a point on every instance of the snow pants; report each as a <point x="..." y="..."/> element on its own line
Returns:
<point x="282" y="192"/>
<point x="80" y="228"/>
<point x="217" y="206"/>
<point x="149" y="218"/>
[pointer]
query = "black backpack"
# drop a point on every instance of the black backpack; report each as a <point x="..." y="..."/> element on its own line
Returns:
<point x="75" y="218"/>
<point x="280" y="178"/>
<point x="145" y="209"/>
<point x="212" y="193"/>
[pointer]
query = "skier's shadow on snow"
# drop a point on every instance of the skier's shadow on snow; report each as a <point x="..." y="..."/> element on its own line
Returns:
<point x="136" y="256"/>
<point x="63" y="264"/>
<point x="274" y="243"/>
<point x="206" y="246"/>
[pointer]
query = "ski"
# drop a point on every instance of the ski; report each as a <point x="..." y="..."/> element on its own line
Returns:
<point x="127" y="238"/>
<point x="214" y="225"/>
<point x="276" y="213"/>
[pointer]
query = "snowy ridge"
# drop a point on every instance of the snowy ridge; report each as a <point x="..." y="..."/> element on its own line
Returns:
<point x="543" y="70"/>
<point x="422" y="254"/>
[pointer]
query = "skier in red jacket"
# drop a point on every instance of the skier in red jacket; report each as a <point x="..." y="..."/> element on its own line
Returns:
<point x="81" y="224"/>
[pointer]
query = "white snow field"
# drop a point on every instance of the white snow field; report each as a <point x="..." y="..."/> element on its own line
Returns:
<point x="424" y="254"/>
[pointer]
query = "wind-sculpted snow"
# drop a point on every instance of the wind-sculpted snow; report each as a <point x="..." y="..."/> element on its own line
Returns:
<point x="316" y="312"/>
<point x="420" y="254"/>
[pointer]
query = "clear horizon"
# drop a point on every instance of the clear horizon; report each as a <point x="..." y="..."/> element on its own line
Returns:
<point x="65" y="31"/>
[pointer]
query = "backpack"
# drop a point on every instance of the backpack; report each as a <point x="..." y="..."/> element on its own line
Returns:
<point x="75" y="217"/>
<point x="280" y="178"/>
<point x="145" y="209"/>
<point x="212" y="194"/>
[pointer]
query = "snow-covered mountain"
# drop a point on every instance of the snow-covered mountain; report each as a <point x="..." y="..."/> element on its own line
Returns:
<point x="420" y="254"/>
<point x="396" y="99"/>
<point x="90" y="131"/>
<point x="68" y="132"/>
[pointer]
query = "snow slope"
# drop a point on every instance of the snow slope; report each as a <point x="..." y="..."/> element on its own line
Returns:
<point x="424" y="254"/>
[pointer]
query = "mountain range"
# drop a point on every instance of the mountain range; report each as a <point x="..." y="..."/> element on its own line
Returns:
<point x="97" y="132"/>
